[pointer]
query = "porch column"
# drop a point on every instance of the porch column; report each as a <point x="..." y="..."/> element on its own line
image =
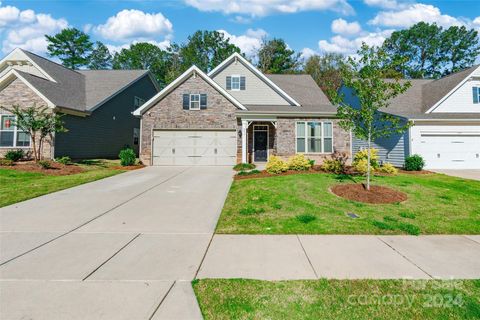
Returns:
<point x="244" y="140"/>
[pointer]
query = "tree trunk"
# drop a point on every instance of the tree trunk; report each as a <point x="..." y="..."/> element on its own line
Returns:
<point x="368" y="160"/>
<point x="34" y="147"/>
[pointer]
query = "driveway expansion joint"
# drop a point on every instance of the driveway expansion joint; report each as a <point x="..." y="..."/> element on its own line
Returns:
<point x="306" y="255"/>
<point x="162" y="300"/>
<point x="471" y="239"/>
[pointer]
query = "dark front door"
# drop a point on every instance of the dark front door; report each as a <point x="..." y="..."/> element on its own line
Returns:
<point x="260" y="145"/>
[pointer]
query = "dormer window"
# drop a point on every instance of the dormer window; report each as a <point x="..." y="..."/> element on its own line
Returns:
<point x="235" y="82"/>
<point x="476" y="95"/>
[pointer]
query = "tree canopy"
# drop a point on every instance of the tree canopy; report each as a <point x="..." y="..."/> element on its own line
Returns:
<point x="71" y="46"/>
<point x="274" y="56"/>
<point x="101" y="58"/>
<point x="325" y="70"/>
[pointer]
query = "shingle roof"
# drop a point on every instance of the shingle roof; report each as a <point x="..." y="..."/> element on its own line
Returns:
<point x="79" y="90"/>
<point x="303" y="89"/>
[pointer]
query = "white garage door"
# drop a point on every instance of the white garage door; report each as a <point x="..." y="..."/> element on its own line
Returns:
<point x="187" y="148"/>
<point x="450" y="151"/>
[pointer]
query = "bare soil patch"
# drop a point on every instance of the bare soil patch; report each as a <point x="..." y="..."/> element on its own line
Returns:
<point x="376" y="194"/>
<point x="57" y="169"/>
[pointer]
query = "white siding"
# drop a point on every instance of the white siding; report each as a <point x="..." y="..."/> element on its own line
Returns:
<point x="461" y="100"/>
<point x="256" y="90"/>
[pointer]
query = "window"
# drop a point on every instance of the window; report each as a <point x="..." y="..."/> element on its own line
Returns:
<point x="194" y="102"/>
<point x="476" y="95"/>
<point x="235" y="82"/>
<point x="136" y="136"/>
<point x="314" y="137"/>
<point x="137" y="103"/>
<point x="10" y="136"/>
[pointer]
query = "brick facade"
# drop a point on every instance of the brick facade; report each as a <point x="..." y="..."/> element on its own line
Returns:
<point x="18" y="93"/>
<point x="169" y="114"/>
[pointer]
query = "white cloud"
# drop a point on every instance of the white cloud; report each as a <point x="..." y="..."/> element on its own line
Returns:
<point x="249" y="43"/>
<point x="387" y="4"/>
<point x="307" y="53"/>
<point x="263" y="7"/>
<point x="26" y="29"/>
<point x="117" y="48"/>
<point x="341" y="26"/>
<point x="412" y="14"/>
<point x="128" y="25"/>
<point x="340" y="44"/>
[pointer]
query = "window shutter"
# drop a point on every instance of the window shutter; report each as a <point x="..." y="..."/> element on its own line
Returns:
<point x="186" y="101"/>
<point x="229" y="83"/>
<point x="475" y="94"/>
<point x="203" y="101"/>
<point x="242" y="83"/>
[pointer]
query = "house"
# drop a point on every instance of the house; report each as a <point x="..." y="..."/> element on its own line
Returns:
<point x="234" y="114"/>
<point x="97" y="105"/>
<point x="446" y="122"/>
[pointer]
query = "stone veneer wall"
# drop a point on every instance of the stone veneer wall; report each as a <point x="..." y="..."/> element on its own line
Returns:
<point x="286" y="136"/>
<point x="169" y="114"/>
<point x="18" y="93"/>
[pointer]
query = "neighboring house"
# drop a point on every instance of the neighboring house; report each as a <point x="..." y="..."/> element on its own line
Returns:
<point x="237" y="114"/>
<point x="97" y="105"/>
<point x="446" y="118"/>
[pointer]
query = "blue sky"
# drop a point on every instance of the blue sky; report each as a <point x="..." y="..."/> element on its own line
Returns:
<point x="307" y="26"/>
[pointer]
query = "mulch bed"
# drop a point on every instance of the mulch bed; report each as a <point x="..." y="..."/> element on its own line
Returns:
<point x="265" y="174"/>
<point x="57" y="169"/>
<point x="135" y="167"/>
<point x="415" y="172"/>
<point x="376" y="194"/>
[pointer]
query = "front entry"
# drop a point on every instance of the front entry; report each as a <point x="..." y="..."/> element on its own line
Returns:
<point x="260" y="143"/>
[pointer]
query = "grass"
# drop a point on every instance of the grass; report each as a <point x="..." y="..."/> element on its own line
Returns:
<point x="302" y="204"/>
<point x="338" y="299"/>
<point x="16" y="186"/>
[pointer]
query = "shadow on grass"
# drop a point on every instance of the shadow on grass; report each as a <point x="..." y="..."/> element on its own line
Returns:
<point x="94" y="162"/>
<point x="343" y="177"/>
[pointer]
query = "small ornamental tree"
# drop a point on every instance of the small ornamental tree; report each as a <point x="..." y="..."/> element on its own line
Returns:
<point x="39" y="123"/>
<point x="365" y="76"/>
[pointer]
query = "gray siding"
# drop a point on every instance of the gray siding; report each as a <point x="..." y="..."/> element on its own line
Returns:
<point x="108" y="129"/>
<point x="391" y="149"/>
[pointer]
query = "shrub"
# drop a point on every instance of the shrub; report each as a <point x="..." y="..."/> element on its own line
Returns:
<point x="244" y="166"/>
<point x="14" y="155"/>
<point x="45" y="164"/>
<point x="276" y="165"/>
<point x="64" y="160"/>
<point x="336" y="163"/>
<point x="361" y="166"/>
<point x="299" y="162"/>
<point x="247" y="173"/>
<point x="127" y="157"/>
<point x="414" y="163"/>
<point x="388" y="168"/>
<point x="6" y="162"/>
<point x="312" y="162"/>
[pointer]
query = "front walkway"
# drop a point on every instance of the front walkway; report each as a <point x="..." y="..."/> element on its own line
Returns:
<point x="289" y="257"/>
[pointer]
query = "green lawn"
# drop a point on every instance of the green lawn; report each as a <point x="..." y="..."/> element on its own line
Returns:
<point x="16" y="186"/>
<point x="338" y="299"/>
<point x="302" y="204"/>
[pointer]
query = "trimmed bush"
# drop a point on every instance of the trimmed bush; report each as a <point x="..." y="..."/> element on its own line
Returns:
<point x="388" y="168"/>
<point x="360" y="160"/>
<point x="361" y="166"/>
<point x="414" y="163"/>
<point x="6" y="162"/>
<point x="244" y="166"/>
<point x="299" y="162"/>
<point x="336" y="164"/>
<point x="65" y="160"/>
<point x="127" y="157"/>
<point x="14" y="155"/>
<point x="45" y="164"/>
<point x="248" y="173"/>
<point x="275" y="165"/>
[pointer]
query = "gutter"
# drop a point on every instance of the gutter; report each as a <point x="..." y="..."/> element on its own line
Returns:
<point x="286" y="113"/>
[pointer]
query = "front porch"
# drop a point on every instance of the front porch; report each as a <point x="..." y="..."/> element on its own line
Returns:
<point x="258" y="140"/>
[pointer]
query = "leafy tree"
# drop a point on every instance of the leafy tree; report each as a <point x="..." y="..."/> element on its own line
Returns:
<point x="145" y="56"/>
<point x="71" y="46"/>
<point x="429" y="51"/>
<point x="274" y="56"/>
<point x="40" y="123"/>
<point x="325" y="70"/>
<point x="100" y="59"/>
<point x="365" y="77"/>
<point x="206" y="50"/>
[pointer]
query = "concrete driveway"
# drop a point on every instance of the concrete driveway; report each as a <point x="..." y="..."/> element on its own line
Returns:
<point x="473" y="174"/>
<point x="124" y="247"/>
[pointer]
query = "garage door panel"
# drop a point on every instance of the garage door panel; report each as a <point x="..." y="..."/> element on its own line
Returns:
<point x="194" y="147"/>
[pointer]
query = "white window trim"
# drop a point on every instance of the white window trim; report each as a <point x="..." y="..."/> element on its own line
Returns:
<point x="322" y="137"/>
<point x="190" y="102"/>
<point x="267" y="130"/>
<point x="478" y="94"/>
<point x="231" y="82"/>
<point x="15" y="133"/>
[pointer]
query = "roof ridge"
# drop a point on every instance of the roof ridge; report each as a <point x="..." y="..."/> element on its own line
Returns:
<point x="457" y="72"/>
<point x="50" y="61"/>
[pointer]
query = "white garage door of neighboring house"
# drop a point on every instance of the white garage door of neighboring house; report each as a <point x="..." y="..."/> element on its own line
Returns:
<point x="200" y="147"/>
<point x="448" y="149"/>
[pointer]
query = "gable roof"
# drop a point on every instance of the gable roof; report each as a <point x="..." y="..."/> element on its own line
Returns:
<point x="193" y="70"/>
<point x="238" y="57"/>
<point x="78" y="90"/>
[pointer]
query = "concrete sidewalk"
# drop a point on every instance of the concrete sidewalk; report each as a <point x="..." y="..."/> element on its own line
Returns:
<point x="285" y="257"/>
